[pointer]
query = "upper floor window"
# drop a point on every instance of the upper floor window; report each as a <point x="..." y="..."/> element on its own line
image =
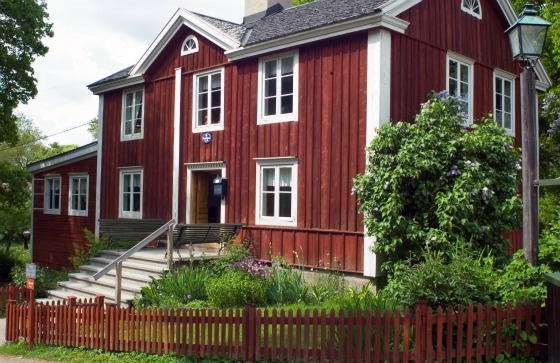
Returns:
<point x="504" y="101"/>
<point x="277" y="192"/>
<point x="130" y="193"/>
<point x="278" y="88"/>
<point x="52" y="195"/>
<point x="460" y="83"/>
<point x="190" y="45"/>
<point x="472" y="7"/>
<point x="78" y="195"/>
<point x="133" y="115"/>
<point x="209" y="101"/>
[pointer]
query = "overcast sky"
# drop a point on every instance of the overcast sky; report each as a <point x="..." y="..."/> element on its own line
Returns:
<point x="93" y="39"/>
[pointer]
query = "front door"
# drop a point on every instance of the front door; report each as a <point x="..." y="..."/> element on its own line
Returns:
<point x="205" y="207"/>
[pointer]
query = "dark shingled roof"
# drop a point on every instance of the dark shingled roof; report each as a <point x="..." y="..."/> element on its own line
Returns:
<point x="235" y="31"/>
<point x="122" y="74"/>
<point x="287" y="22"/>
<point x="310" y="16"/>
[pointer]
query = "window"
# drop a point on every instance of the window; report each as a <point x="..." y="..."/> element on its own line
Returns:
<point x="52" y="195"/>
<point x="503" y="101"/>
<point x="472" y="7"/>
<point x="277" y="191"/>
<point x="208" y="101"/>
<point x="460" y="84"/>
<point x="278" y="84"/>
<point x="133" y="115"/>
<point x="131" y="193"/>
<point x="190" y="45"/>
<point x="78" y="196"/>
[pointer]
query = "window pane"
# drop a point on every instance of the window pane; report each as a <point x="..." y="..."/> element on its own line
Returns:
<point x="287" y="66"/>
<point x="128" y="127"/>
<point x="287" y="85"/>
<point x="83" y="202"/>
<point x="453" y="69"/>
<point x="507" y="106"/>
<point x="270" y="69"/>
<point x="270" y="106"/>
<point x="83" y="186"/>
<point x="202" y="101"/>
<point x="126" y="183"/>
<point x="285" y="178"/>
<point x="498" y="85"/>
<point x="507" y="88"/>
<point x="216" y="81"/>
<point x="136" y="202"/>
<point x="128" y="102"/>
<point x="270" y="88"/>
<point x="216" y="98"/>
<point x="499" y="102"/>
<point x="465" y="92"/>
<point x="202" y="84"/>
<point x="287" y="104"/>
<point x="464" y="73"/>
<point x="285" y="205"/>
<point x="136" y="182"/>
<point x="453" y="87"/>
<point x="268" y="205"/>
<point x="202" y="117"/>
<point x="507" y="121"/>
<point x="126" y="202"/>
<point x="216" y="113"/>
<point x="138" y="97"/>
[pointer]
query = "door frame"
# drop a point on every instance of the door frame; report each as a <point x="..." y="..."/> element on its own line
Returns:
<point x="196" y="167"/>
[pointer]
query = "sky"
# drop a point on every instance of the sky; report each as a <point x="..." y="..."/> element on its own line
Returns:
<point x="93" y="39"/>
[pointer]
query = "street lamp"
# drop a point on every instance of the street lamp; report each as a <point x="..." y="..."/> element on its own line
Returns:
<point x="527" y="37"/>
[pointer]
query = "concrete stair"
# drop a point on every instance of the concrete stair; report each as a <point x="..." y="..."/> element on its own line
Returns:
<point x="137" y="273"/>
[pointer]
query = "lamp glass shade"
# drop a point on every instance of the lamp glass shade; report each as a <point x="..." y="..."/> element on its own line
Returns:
<point x="527" y="36"/>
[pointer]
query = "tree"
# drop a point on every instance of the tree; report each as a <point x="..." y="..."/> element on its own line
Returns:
<point x="93" y="128"/>
<point x="433" y="183"/>
<point x="15" y="187"/>
<point x="23" y="26"/>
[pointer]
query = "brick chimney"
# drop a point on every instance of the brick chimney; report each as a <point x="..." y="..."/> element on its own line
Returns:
<point x="257" y="9"/>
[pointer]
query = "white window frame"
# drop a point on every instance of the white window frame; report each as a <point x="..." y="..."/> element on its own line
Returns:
<point x="278" y="117"/>
<point x="505" y="76"/>
<point x="130" y="214"/>
<point x="71" y="210"/>
<point x="469" y="8"/>
<point x="211" y="127"/>
<point x="47" y="197"/>
<point x="461" y="60"/>
<point x="276" y="163"/>
<point x="191" y="50"/>
<point x="133" y="135"/>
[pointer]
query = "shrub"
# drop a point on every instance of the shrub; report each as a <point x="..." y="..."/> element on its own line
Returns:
<point x="328" y="285"/>
<point x="462" y="281"/>
<point x="84" y="252"/>
<point x="253" y="267"/>
<point x="435" y="181"/>
<point x="286" y="284"/>
<point x="7" y="262"/>
<point x="176" y="288"/>
<point x="231" y="253"/>
<point x="236" y="289"/>
<point x="365" y="299"/>
<point x="46" y="279"/>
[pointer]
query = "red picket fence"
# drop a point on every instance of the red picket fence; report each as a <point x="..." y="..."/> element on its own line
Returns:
<point x="476" y="333"/>
<point x="12" y="292"/>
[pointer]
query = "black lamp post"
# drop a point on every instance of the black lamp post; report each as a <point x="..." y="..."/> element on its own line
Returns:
<point x="527" y="37"/>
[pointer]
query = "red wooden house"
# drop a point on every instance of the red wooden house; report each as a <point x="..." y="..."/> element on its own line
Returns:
<point x="283" y="105"/>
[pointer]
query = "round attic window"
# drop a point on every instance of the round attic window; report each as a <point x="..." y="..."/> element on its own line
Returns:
<point x="472" y="7"/>
<point x="190" y="45"/>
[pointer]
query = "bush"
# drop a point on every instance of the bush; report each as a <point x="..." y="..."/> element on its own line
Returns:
<point x="462" y="281"/>
<point x="92" y="248"/>
<point x="46" y="279"/>
<point x="434" y="181"/>
<point x="7" y="262"/>
<point x="176" y="288"/>
<point x="285" y="284"/>
<point x="235" y="289"/>
<point x="365" y="299"/>
<point x="231" y="253"/>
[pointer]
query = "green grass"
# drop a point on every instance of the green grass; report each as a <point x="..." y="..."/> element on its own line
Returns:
<point x="80" y="355"/>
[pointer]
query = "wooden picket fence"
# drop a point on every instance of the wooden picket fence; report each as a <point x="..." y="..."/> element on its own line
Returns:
<point x="476" y="333"/>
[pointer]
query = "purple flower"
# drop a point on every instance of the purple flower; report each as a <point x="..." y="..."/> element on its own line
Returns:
<point x="454" y="171"/>
<point x="252" y="266"/>
<point x="443" y="95"/>
<point x="189" y="296"/>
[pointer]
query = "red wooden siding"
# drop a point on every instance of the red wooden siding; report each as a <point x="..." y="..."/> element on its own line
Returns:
<point x="54" y="236"/>
<point x="419" y="56"/>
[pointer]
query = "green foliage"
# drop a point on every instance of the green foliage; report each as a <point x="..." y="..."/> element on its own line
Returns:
<point x="286" y="284"/>
<point x="236" y="289"/>
<point x="23" y="25"/>
<point x="301" y="2"/>
<point x="84" y="252"/>
<point x="176" y="288"/>
<point x="433" y="182"/>
<point x="7" y="262"/>
<point x="365" y="299"/>
<point x="93" y="128"/>
<point x="46" y="279"/>
<point x="327" y="285"/>
<point x="232" y="252"/>
<point x="461" y="281"/>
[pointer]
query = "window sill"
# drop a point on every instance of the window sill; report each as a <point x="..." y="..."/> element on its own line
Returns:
<point x="52" y="211"/>
<point x="132" y="137"/>
<point x="276" y="222"/>
<point x="209" y="128"/>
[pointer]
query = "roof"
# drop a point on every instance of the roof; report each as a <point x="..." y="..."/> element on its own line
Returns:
<point x="299" y="21"/>
<point x="71" y="156"/>
<point x="310" y="16"/>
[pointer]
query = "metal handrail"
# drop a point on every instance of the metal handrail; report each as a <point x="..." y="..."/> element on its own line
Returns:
<point x="134" y="249"/>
